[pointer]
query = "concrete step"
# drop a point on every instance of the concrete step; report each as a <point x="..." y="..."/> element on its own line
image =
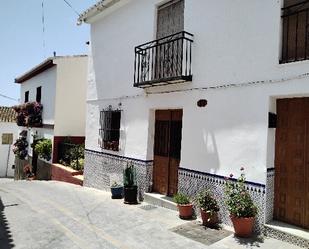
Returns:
<point x="288" y="233"/>
<point x="160" y="200"/>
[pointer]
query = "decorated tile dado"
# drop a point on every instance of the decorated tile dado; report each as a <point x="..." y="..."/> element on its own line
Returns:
<point x="102" y="169"/>
<point x="191" y="182"/>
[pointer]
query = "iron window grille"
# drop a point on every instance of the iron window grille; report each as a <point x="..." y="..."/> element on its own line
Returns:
<point x="294" y="31"/>
<point x="110" y="129"/>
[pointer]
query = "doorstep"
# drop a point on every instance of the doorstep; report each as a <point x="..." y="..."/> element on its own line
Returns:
<point x="287" y="232"/>
<point x="160" y="200"/>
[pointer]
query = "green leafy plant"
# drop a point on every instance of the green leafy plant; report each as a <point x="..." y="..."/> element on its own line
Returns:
<point x="238" y="199"/>
<point x="78" y="164"/>
<point x="207" y="202"/>
<point x="181" y="199"/>
<point x="129" y="176"/>
<point x="43" y="148"/>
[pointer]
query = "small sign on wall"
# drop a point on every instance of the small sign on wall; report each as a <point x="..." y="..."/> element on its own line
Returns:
<point x="7" y="138"/>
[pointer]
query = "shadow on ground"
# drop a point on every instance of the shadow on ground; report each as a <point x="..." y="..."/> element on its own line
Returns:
<point x="6" y="241"/>
<point x="250" y="242"/>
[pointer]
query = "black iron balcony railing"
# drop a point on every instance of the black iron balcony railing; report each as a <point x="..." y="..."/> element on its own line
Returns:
<point x="295" y="23"/>
<point x="164" y="61"/>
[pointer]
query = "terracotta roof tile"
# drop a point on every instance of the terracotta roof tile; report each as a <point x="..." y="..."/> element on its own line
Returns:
<point x="7" y="114"/>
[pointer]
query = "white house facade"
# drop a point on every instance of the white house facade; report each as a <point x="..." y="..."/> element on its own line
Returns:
<point x="8" y="133"/>
<point x="201" y="88"/>
<point x="58" y="84"/>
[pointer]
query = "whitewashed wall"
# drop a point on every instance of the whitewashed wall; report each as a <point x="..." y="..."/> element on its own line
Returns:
<point x="6" y="154"/>
<point x="47" y="80"/>
<point x="233" y="43"/>
<point x="40" y="133"/>
<point x="71" y="88"/>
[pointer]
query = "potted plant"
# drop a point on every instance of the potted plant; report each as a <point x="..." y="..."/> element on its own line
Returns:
<point x="43" y="147"/>
<point x="240" y="205"/>
<point x="116" y="190"/>
<point x="28" y="172"/>
<point x="185" y="207"/>
<point x="129" y="183"/>
<point x="208" y="207"/>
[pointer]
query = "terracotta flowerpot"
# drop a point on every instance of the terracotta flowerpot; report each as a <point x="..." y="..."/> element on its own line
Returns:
<point x="209" y="220"/>
<point x="243" y="226"/>
<point x="185" y="211"/>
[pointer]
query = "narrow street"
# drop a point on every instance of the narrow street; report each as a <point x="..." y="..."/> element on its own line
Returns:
<point x="40" y="214"/>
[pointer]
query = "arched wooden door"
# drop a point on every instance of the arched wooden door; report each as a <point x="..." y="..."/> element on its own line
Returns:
<point x="292" y="162"/>
<point x="167" y="147"/>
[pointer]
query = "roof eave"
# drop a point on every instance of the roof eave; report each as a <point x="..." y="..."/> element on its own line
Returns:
<point x="94" y="10"/>
<point x="36" y="70"/>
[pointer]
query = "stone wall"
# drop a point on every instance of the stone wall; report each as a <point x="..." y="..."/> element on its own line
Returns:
<point x="19" y="169"/>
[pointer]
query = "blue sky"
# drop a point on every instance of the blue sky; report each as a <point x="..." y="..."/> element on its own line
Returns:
<point x="21" y="43"/>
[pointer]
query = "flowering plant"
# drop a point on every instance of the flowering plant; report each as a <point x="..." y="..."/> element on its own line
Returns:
<point x="20" y="147"/>
<point x="238" y="199"/>
<point x="207" y="202"/>
<point x="29" y="114"/>
<point x="28" y="171"/>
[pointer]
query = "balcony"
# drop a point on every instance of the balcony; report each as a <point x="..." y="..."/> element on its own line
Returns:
<point x="164" y="61"/>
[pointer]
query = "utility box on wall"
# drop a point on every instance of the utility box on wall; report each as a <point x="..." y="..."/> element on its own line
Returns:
<point x="7" y="138"/>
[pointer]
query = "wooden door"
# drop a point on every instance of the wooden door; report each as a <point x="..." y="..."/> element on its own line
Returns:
<point x="167" y="147"/>
<point x="292" y="162"/>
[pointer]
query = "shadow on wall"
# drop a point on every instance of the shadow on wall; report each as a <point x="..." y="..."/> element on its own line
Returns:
<point x="211" y="150"/>
<point x="6" y="241"/>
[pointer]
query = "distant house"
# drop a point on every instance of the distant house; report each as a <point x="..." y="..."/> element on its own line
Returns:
<point x="8" y="134"/>
<point x="190" y="91"/>
<point x="56" y="92"/>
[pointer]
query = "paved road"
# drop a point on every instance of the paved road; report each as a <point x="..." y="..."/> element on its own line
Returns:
<point x="41" y="214"/>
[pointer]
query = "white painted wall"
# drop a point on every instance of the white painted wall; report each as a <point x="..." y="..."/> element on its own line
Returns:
<point x="47" y="80"/>
<point x="234" y="42"/>
<point x="71" y="88"/>
<point x="6" y="154"/>
<point x="40" y="133"/>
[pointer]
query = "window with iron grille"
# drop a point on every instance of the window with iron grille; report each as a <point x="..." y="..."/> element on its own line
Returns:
<point x="110" y="129"/>
<point x="295" y="31"/>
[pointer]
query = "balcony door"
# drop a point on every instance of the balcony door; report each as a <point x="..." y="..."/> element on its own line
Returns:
<point x="170" y="20"/>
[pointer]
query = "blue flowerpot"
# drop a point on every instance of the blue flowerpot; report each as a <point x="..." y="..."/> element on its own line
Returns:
<point x="117" y="192"/>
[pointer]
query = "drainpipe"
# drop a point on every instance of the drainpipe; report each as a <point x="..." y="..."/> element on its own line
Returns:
<point x="7" y="162"/>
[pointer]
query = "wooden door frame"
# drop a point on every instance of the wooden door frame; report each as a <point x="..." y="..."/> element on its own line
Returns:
<point x="278" y="146"/>
<point x="168" y="145"/>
